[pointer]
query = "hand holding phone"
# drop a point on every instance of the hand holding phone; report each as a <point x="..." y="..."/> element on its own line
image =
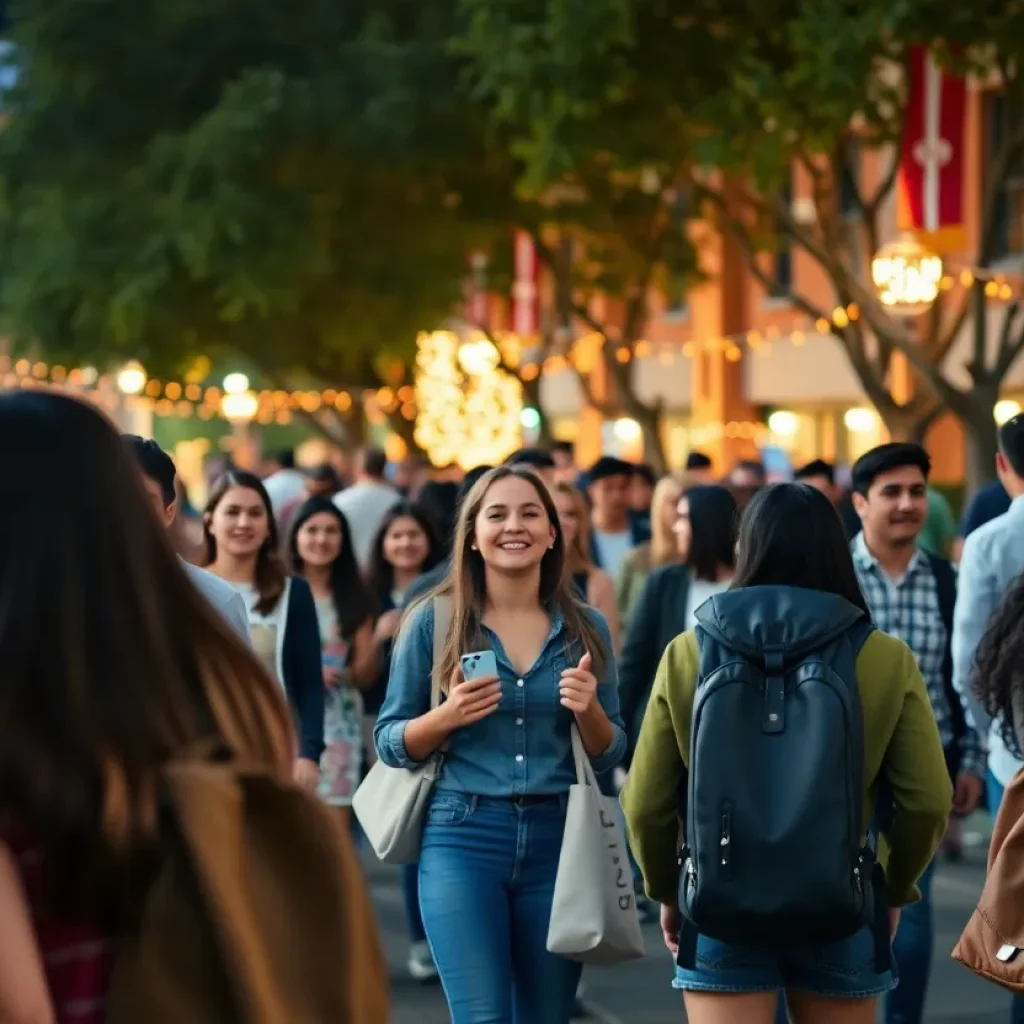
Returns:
<point x="474" y="690"/>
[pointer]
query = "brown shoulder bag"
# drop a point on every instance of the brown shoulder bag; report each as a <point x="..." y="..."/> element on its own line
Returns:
<point x="259" y="913"/>
<point x="992" y="944"/>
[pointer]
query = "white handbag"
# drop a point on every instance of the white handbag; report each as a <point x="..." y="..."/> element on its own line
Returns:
<point x="594" y="915"/>
<point x="391" y="803"/>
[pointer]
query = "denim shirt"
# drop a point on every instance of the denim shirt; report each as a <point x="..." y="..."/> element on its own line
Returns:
<point x="521" y="749"/>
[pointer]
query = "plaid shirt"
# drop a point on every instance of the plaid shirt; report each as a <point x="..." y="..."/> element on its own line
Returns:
<point x="77" y="958"/>
<point x="908" y="608"/>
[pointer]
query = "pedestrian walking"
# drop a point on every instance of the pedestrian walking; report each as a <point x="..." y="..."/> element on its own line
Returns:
<point x="159" y="477"/>
<point x="615" y="529"/>
<point x="406" y="547"/>
<point x="117" y="674"/>
<point x="992" y="560"/>
<point x="592" y="584"/>
<point x="660" y="550"/>
<point x="494" y="827"/>
<point x="320" y="551"/>
<point x="911" y="595"/>
<point x="242" y="548"/>
<point x="769" y="731"/>
<point x="704" y="533"/>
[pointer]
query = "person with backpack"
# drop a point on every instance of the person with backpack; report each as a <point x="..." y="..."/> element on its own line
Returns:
<point x="774" y="730"/>
<point x="911" y="594"/>
<point x="151" y="838"/>
<point x="494" y="826"/>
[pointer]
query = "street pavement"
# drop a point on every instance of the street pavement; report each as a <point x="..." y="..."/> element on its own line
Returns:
<point x="639" y="993"/>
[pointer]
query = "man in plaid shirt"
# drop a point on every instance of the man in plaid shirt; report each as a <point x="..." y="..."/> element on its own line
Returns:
<point x="911" y="595"/>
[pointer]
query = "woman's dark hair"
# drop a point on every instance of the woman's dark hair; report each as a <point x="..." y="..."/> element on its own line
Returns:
<point x="381" y="574"/>
<point x="271" y="574"/>
<point x="113" y="663"/>
<point x="713" y="530"/>
<point x="351" y="600"/>
<point x="998" y="675"/>
<point x="440" y="500"/>
<point x="791" y="535"/>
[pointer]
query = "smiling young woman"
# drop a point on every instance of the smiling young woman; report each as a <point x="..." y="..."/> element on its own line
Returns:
<point x="241" y="548"/>
<point x="494" y="827"/>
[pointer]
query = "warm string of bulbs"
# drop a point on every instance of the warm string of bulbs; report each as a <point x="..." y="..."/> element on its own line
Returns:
<point x="195" y="398"/>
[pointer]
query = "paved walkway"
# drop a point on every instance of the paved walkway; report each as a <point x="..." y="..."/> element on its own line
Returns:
<point x="639" y="993"/>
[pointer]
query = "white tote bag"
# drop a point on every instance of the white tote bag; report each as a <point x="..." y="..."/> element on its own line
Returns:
<point x="594" y="916"/>
<point x="391" y="802"/>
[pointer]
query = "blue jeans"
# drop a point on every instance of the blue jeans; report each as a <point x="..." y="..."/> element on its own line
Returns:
<point x="912" y="950"/>
<point x="995" y="790"/>
<point x="837" y="970"/>
<point x="487" y="879"/>
<point x="411" y="892"/>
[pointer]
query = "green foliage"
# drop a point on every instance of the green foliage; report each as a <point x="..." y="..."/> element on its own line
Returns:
<point x="281" y="180"/>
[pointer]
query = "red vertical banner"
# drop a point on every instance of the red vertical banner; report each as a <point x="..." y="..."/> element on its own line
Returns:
<point x="525" y="292"/>
<point x="931" y="175"/>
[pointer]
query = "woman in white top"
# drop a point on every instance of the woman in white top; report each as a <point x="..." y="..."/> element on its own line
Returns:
<point x="320" y="550"/>
<point x="241" y="548"/>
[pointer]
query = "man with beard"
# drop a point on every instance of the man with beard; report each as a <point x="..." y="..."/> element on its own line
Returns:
<point x="911" y="594"/>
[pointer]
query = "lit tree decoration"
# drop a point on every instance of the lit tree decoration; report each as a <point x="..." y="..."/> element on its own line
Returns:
<point x="468" y="408"/>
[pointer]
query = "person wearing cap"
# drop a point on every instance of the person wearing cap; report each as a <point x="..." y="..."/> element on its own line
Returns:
<point x="159" y="477"/>
<point x="615" y="528"/>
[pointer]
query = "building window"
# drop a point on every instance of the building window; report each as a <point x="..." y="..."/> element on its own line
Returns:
<point x="782" y="258"/>
<point x="1009" y="200"/>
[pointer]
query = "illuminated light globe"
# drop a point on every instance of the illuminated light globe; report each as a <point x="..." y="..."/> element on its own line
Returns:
<point x="529" y="418"/>
<point x="131" y="378"/>
<point x="783" y="423"/>
<point x="626" y="430"/>
<point x="1005" y="409"/>
<point x="859" y="420"/>
<point x="907" y="276"/>
<point x="236" y="384"/>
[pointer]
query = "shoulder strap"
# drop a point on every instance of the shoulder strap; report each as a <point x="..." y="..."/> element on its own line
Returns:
<point x="945" y="585"/>
<point x="442" y="623"/>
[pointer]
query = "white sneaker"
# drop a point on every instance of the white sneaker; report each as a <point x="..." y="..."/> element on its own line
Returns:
<point x="421" y="962"/>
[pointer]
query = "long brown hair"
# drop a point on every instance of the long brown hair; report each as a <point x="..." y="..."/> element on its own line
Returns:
<point x="577" y="555"/>
<point x="113" y="663"/>
<point x="467" y="588"/>
<point x="271" y="574"/>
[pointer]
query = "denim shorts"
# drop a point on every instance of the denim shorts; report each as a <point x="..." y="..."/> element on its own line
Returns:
<point x="836" y="970"/>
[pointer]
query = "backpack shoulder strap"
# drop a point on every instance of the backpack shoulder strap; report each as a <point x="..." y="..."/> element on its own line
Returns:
<point x="442" y="607"/>
<point x="945" y="585"/>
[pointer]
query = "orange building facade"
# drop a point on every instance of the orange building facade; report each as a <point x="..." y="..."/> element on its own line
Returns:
<point x="789" y="385"/>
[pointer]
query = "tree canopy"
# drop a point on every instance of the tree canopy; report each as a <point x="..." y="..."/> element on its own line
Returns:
<point x="290" y="181"/>
<point x="730" y="100"/>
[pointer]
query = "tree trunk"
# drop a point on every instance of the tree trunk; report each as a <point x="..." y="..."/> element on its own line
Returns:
<point x="980" y="441"/>
<point x="650" y="423"/>
<point x="531" y="397"/>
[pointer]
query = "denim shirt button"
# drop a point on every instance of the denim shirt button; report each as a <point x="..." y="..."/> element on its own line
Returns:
<point x="519" y="721"/>
<point x="519" y="682"/>
<point x="519" y="757"/>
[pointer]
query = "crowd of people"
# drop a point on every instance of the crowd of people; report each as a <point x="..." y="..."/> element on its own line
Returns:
<point x="595" y="588"/>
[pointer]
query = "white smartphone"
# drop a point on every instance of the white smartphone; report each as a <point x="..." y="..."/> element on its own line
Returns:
<point x="478" y="664"/>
